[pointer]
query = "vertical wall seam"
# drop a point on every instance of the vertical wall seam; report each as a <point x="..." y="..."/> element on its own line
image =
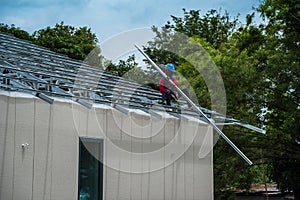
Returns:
<point x="211" y="163"/>
<point x="33" y="146"/>
<point x="131" y="174"/>
<point x="149" y="166"/>
<point x="164" y="158"/>
<point x="119" y="171"/>
<point x="51" y="145"/>
<point x="5" y="141"/>
<point x="143" y="173"/>
<point x="142" y="151"/>
<point x="105" y="152"/>
<point x="193" y="164"/>
<point x="175" y="165"/>
<point x="47" y="154"/>
<point x="14" y="153"/>
<point x="184" y="161"/>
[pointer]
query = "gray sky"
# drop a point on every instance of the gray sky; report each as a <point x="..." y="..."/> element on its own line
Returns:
<point x="109" y="17"/>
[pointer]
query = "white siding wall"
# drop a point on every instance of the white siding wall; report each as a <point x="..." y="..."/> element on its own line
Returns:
<point x="43" y="151"/>
<point x="48" y="169"/>
<point x="7" y="144"/>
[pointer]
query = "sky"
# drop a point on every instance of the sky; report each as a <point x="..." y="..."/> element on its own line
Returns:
<point x="109" y="17"/>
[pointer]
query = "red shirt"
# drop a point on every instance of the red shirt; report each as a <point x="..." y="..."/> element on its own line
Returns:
<point x="164" y="85"/>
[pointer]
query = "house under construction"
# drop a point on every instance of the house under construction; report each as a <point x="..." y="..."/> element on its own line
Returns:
<point x="70" y="131"/>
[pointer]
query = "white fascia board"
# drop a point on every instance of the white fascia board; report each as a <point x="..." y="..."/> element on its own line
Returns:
<point x="194" y="119"/>
<point x="130" y="111"/>
<point x="139" y="112"/>
<point x="103" y="106"/>
<point x="17" y="94"/>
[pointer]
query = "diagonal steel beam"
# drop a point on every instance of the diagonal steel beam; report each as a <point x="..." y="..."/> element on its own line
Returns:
<point x="195" y="107"/>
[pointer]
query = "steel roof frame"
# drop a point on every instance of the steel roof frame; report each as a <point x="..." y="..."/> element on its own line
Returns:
<point x="36" y="70"/>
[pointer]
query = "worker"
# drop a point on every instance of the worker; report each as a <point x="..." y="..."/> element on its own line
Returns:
<point x="166" y="88"/>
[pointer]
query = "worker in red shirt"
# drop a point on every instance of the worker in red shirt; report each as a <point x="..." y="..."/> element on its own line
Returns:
<point x="165" y="87"/>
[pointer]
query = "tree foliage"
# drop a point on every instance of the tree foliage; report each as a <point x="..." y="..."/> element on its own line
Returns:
<point x="214" y="27"/>
<point x="260" y="69"/>
<point x="77" y="43"/>
<point x="74" y="42"/>
<point x="122" y="67"/>
<point x="281" y="60"/>
<point x="15" y="31"/>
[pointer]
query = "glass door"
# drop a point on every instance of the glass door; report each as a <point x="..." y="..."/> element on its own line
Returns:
<point x="90" y="178"/>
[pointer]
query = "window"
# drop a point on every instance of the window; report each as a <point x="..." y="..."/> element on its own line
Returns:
<point x="90" y="171"/>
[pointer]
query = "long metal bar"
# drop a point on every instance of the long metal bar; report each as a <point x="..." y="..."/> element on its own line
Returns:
<point x="196" y="107"/>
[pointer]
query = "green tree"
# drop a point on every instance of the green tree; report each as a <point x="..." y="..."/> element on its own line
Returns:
<point x="77" y="43"/>
<point x="214" y="27"/>
<point x="15" y="31"/>
<point x="281" y="62"/>
<point x="240" y="71"/>
<point x="122" y="67"/>
<point x="234" y="51"/>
